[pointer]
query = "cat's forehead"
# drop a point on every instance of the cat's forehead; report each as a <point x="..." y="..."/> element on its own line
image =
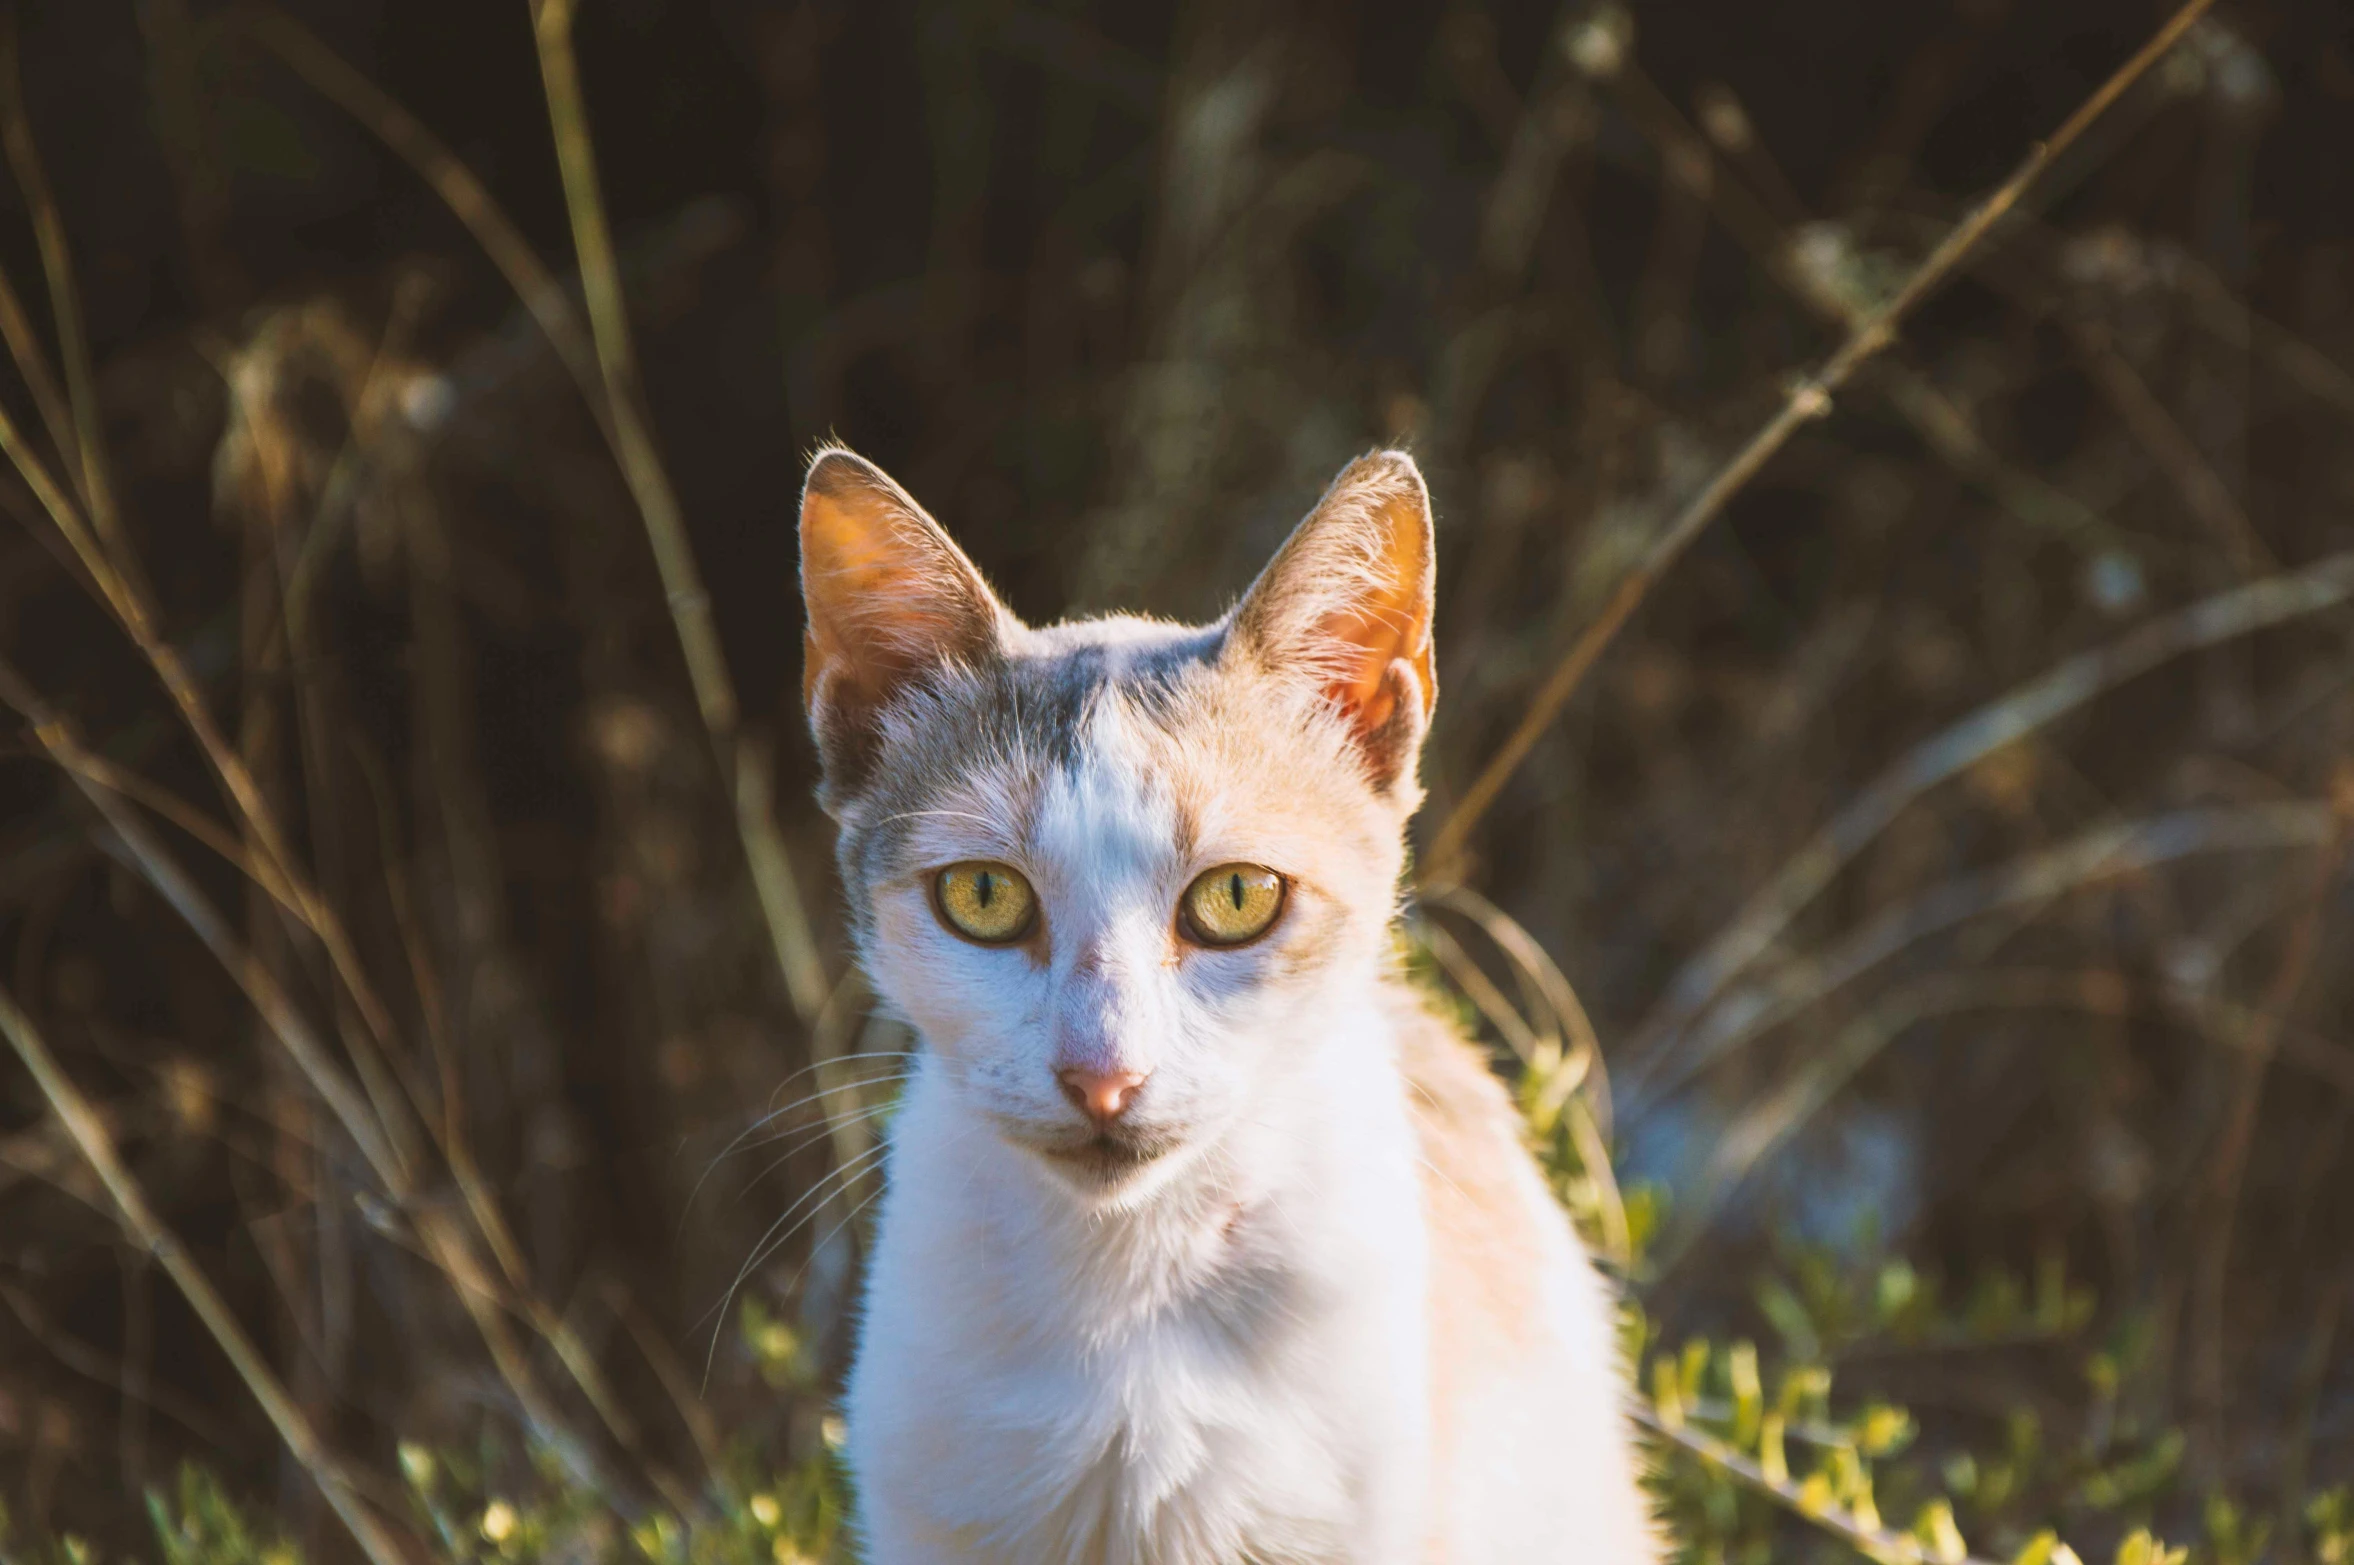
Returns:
<point x="1059" y="680"/>
<point x="1058" y="698"/>
<point x="1065" y="712"/>
<point x="1111" y="733"/>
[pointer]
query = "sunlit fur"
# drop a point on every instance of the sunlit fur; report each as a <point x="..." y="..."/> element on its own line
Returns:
<point x="1309" y="1299"/>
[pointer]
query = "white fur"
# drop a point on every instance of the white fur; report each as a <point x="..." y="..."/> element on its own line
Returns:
<point x="1226" y="1357"/>
<point x="1331" y="1315"/>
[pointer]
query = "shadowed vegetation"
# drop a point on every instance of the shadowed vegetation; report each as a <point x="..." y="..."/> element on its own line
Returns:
<point x="1891" y="797"/>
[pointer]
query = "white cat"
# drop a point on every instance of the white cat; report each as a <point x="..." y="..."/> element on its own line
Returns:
<point x="1203" y="1242"/>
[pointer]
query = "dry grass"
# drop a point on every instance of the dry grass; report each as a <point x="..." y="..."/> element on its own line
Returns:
<point x="1930" y="765"/>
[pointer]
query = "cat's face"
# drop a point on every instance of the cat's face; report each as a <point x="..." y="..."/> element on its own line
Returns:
<point x="1112" y="870"/>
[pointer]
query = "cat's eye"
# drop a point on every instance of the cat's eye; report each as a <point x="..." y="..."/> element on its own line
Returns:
<point x="1231" y="904"/>
<point x="985" y="902"/>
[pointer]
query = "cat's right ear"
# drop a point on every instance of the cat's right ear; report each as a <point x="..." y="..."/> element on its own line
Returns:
<point x="1346" y="604"/>
<point x="889" y="598"/>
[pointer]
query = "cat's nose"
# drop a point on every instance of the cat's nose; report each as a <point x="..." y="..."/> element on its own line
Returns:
<point x="1103" y="1096"/>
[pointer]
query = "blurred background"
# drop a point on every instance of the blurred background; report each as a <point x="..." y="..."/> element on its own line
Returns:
<point x="405" y="848"/>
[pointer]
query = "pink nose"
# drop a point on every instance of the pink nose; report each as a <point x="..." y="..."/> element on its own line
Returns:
<point x="1102" y="1095"/>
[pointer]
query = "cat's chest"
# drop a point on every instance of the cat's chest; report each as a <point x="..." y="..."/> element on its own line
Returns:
<point x="1203" y="1428"/>
<point x="1206" y="1413"/>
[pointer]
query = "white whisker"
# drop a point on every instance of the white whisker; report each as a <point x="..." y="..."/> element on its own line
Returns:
<point x="744" y="1140"/>
<point x="844" y="1176"/>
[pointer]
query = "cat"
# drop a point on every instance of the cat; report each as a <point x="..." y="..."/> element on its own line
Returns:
<point x="1202" y="1242"/>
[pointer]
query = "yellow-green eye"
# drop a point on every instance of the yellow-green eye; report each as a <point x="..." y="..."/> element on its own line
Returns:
<point x="986" y="902"/>
<point x="1232" y="903"/>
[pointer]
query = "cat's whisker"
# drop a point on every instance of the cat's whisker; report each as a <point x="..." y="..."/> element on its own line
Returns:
<point x="807" y="1137"/>
<point x="769" y="1251"/>
<point x="784" y="1121"/>
<point x="872" y="1111"/>
<point x="1433" y="1168"/>
<point x="850" y="1080"/>
<point x="827" y="1237"/>
<point x="837" y="1062"/>
<point x="750" y="1139"/>
<point x="842" y="1176"/>
<point x="819" y="1096"/>
<point x="963" y="1135"/>
<point x="834" y="1183"/>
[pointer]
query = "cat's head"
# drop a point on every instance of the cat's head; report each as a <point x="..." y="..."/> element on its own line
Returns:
<point x="1119" y="872"/>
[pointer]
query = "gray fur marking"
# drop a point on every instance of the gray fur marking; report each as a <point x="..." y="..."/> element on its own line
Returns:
<point x="1026" y="710"/>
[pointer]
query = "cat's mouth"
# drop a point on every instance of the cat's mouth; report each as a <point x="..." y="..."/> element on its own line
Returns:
<point x="1105" y="1156"/>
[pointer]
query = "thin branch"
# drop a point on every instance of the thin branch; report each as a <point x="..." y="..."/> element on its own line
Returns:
<point x="126" y="598"/>
<point x="1806" y="401"/>
<point x="641" y="464"/>
<point x="385" y="1136"/>
<point x="773" y="880"/>
<point x="161" y="801"/>
<point x="1822" y="1071"/>
<point x="2203" y="490"/>
<point x="391" y="1161"/>
<point x="2228" y="1164"/>
<point x="97" y="1148"/>
<point x="16" y="131"/>
<point x="609" y="383"/>
<point x="2014" y="715"/>
<point x="1876" y="1543"/>
<point x="2101" y="854"/>
<point x="384" y="1133"/>
<point x="603" y="364"/>
<point x="666" y="528"/>
<point x="16" y="329"/>
<point x="542" y="295"/>
<point x="1776" y="244"/>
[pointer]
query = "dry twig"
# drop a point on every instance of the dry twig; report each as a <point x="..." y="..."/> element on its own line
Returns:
<point x="1809" y="399"/>
<point x="2229" y="1164"/>
<point x="602" y="363"/>
<point x="2004" y="721"/>
<point x="2103" y="853"/>
<point x="90" y="1136"/>
<point x="1874" y="1543"/>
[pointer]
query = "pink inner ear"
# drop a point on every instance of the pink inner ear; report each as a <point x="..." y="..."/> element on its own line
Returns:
<point x="1370" y="694"/>
<point x="1375" y="711"/>
<point x="1386" y="638"/>
<point x="888" y="594"/>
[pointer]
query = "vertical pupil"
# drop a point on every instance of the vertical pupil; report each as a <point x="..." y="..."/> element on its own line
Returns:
<point x="984" y="888"/>
<point x="1234" y="890"/>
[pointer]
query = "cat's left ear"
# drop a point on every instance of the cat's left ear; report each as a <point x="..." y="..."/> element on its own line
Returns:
<point x="1346" y="603"/>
